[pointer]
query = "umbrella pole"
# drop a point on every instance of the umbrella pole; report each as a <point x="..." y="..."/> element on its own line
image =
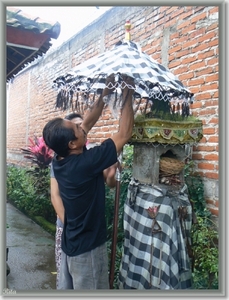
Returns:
<point x="115" y="225"/>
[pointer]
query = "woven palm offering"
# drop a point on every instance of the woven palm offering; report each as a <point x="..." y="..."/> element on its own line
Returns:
<point x="170" y="166"/>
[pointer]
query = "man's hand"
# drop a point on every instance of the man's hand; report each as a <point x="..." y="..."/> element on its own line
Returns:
<point x="109" y="175"/>
<point x="128" y="86"/>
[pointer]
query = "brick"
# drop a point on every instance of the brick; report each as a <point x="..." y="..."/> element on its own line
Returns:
<point x="197" y="33"/>
<point x="212" y="26"/>
<point x="146" y="47"/>
<point x="203" y="96"/>
<point x="194" y="90"/>
<point x="213" y="139"/>
<point x="171" y="23"/>
<point x="212" y="103"/>
<point x="201" y="47"/>
<point x="206" y="166"/>
<point x="181" y="70"/>
<point x="185" y="76"/>
<point x="183" y="24"/>
<point x="188" y="29"/>
<point x="212" y="175"/>
<point x="176" y="13"/>
<point x="199" y="17"/>
<point x="212" y="202"/>
<point x="198" y="9"/>
<point x="216" y="94"/>
<point x="205" y="148"/>
<point x="211" y="78"/>
<point x="209" y="36"/>
<point x="170" y="9"/>
<point x="189" y="44"/>
<point x="209" y="131"/>
<point x="174" y="64"/>
<point x="196" y="81"/>
<point x="197" y="66"/>
<point x="182" y="53"/>
<point x="205" y="71"/>
<point x="187" y="14"/>
<point x="163" y="21"/>
<point x="175" y="49"/>
<point x="197" y="156"/>
<point x="211" y="157"/>
<point x="213" y="61"/>
<point x="214" y="211"/>
<point x="213" y="10"/>
<point x="214" y="121"/>
<point x="174" y="36"/>
<point x="208" y="87"/>
<point x="212" y="43"/>
<point x="189" y="59"/>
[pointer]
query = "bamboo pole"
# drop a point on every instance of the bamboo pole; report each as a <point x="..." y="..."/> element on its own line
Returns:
<point x="115" y="223"/>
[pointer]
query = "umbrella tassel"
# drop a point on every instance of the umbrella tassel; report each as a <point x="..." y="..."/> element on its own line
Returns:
<point x="187" y="110"/>
<point x="76" y="101"/>
<point x="178" y="108"/>
<point x="116" y="98"/>
<point x="138" y="105"/>
<point x="183" y="109"/>
<point x="71" y="99"/>
<point x="146" y="105"/>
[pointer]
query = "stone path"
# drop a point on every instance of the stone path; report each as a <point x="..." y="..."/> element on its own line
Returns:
<point x="31" y="256"/>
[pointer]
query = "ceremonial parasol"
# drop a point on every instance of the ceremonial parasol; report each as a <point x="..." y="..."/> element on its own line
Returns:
<point x="153" y="82"/>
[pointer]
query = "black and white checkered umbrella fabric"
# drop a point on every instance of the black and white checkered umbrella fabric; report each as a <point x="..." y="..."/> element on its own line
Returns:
<point x="152" y="80"/>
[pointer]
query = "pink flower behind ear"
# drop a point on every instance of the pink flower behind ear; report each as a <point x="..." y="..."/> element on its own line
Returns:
<point x="87" y="142"/>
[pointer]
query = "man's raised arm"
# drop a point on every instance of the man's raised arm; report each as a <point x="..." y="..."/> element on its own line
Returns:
<point x="126" y="121"/>
<point x="92" y="117"/>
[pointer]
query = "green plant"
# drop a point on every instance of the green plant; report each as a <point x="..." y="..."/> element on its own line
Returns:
<point x="40" y="156"/>
<point x="196" y="190"/>
<point x="204" y="234"/>
<point x="38" y="153"/>
<point x="29" y="187"/>
<point x="20" y="189"/>
<point x="165" y="115"/>
<point x="206" y="254"/>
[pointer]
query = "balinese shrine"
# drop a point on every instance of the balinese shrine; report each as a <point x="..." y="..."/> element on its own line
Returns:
<point x="157" y="213"/>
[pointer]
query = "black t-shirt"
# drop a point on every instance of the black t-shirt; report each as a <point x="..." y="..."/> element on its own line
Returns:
<point x="82" y="189"/>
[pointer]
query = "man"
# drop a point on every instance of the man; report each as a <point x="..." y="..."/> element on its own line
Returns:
<point x="84" y="261"/>
<point x="109" y="177"/>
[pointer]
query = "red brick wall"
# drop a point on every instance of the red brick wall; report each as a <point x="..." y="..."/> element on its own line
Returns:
<point x="184" y="39"/>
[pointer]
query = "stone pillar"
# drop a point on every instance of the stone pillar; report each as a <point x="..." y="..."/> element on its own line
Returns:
<point x="147" y="157"/>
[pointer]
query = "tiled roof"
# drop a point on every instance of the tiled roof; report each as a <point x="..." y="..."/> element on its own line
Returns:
<point x="28" y="37"/>
<point x="17" y="18"/>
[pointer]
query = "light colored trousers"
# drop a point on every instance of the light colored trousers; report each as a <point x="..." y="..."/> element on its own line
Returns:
<point x="87" y="271"/>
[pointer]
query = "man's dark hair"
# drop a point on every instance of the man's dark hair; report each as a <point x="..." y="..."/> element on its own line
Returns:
<point x="73" y="116"/>
<point x="57" y="136"/>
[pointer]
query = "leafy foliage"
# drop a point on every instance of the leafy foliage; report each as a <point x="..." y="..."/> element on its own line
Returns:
<point x="29" y="188"/>
<point x="26" y="195"/>
<point x="20" y="189"/>
<point x="204" y="234"/>
<point x="206" y="254"/>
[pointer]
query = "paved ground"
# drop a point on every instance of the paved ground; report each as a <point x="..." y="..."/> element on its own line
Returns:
<point x="31" y="254"/>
